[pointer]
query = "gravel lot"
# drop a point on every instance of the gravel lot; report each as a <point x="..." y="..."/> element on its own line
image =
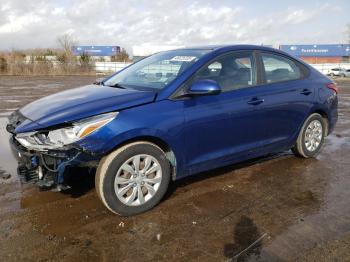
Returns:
<point x="298" y="209"/>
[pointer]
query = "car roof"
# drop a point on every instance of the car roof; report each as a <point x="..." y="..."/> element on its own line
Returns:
<point x="228" y="48"/>
<point x="233" y="47"/>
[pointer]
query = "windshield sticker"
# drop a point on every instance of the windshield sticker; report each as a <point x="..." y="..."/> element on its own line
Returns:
<point x="183" y="58"/>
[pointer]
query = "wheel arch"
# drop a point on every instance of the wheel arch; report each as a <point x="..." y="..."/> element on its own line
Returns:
<point x="163" y="145"/>
<point x="324" y="115"/>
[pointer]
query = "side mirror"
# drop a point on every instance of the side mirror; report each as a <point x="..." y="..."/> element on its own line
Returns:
<point x="204" y="87"/>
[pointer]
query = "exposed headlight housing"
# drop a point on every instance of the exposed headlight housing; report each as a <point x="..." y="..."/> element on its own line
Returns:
<point x="64" y="136"/>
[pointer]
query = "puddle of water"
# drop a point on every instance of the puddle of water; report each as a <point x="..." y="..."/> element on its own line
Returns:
<point x="17" y="97"/>
<point x="21" y="87"/>
<point x="5" y="114"/>
<point x="345" y="104"/>
<point x="49" y="85"/>
<point x="10" y="189"/>
<point x="8" y="163"/>
<point x="343" y="121"/>
<point x="12" y="101"/>
<point x="40" y="86"/>
<point x="334" y="142"/>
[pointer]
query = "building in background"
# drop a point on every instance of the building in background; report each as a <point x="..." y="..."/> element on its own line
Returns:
<point x="318" y="54"/>
<point x="97" y="52"/>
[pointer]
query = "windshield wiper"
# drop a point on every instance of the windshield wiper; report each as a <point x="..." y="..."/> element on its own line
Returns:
<point x="117" y="86"/>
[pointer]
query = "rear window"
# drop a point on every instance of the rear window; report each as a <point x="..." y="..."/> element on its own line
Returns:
<point x="280" y="68"/>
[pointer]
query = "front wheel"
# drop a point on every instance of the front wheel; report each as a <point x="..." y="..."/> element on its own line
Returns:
<point x="133" y="179"/>
<point x="311" y="136"/>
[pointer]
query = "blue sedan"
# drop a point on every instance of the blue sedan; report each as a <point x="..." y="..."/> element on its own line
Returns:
<point x="171" y="115"/>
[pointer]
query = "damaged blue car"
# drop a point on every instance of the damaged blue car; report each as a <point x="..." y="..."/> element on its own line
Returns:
<point x="171" y="115"/>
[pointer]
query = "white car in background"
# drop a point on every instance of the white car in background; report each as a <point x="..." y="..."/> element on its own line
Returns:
<point x="335" y="71"/>
<point x="344" y="72"/>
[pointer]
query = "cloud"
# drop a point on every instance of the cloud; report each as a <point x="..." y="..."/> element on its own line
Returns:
<point x="37" y="23"/>
<point x="17" y="24"/>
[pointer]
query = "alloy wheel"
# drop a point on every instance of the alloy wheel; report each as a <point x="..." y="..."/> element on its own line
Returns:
<point x="313" y="135"/>
<point x="138" y="179"/>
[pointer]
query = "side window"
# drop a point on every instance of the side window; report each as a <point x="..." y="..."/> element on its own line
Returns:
<point x="233" y="71"/>
<point x="279" y="68"/>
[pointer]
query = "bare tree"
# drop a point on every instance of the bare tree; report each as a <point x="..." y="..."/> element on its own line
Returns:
<point x="122" y="56"/>
<point x="66" y="43"/>
<point x="67" y="59"/>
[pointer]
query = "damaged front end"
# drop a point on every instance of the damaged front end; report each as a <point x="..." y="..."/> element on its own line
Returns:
<point x="45" y="154"/>
<point x="47" y="169"/>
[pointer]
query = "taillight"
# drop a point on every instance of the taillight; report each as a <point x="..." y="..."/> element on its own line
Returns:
<point x="333" y="86"/>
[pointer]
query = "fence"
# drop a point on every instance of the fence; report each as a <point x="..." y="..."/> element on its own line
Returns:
<point x="45" y="68"/>
<point x="109" y="67"/>
<point x="58" y="68"/>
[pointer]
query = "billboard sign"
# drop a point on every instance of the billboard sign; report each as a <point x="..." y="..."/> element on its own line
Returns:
<point x="96" y="50"/>
<point x="317" y="50"/>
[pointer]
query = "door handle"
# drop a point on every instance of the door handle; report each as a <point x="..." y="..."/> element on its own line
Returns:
<point x="255" y="101"/>
<point x="305" y="92"/>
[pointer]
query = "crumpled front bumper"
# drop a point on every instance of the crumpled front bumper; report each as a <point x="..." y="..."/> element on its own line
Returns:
<point x="48" y="169"/>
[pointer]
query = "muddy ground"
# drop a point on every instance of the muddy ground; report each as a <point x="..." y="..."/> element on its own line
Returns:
<point x="297" y="209"/>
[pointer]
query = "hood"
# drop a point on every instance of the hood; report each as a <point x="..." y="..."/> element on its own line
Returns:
<point x="79" y="103"/>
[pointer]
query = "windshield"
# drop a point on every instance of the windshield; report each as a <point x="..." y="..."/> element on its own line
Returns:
<point x="157" y="70"/>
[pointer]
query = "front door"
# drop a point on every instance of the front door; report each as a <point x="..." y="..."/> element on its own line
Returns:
<point x="224" y="126"/>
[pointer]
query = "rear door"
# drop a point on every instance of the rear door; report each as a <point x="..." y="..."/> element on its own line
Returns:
<point x="288" y="97"/>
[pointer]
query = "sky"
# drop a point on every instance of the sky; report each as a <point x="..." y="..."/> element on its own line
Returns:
<point x="38" y="23"/>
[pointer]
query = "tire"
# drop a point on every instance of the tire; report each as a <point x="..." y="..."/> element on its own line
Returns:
<point x="112" y="166"/>
<point x="305" y="149"/>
